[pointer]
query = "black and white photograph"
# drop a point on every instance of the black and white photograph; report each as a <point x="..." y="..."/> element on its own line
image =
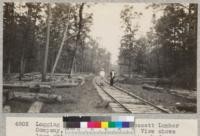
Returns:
<point x="99" y="57"/>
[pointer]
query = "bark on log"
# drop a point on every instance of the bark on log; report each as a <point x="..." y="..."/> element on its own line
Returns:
<point x="11" y="86"/>
<point x="149" y="87"/>
<point x="37" y="96"/>
<point x="14" y="86"/>
<point x="63" y="85"/>
<point x="187" y="107"/>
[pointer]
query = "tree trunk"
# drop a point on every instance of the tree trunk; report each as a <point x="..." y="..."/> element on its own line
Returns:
<point x="47" y="45"/>
<point x="129" y="68"/>
<point x="9" y="67"/>
<point x="158" y="63"/>
<point x="21" y="66"/>
<point x="78" y="36"/>
<point x="12" y="38"/>
<point x="60" y="49"/>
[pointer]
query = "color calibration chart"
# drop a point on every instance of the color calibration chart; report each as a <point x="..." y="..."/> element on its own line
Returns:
<point x="98" y="125"/>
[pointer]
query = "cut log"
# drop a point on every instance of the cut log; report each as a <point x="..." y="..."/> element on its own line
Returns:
<point x="37" y="96"/>
<point x="63" y="82"/>
<point x="149" y="82"/>
<point x="11" y="86"/>
<point x="40" y="88"/>
<point x="26" y="79"/>
<point x="153" y="88"/>
<point x="188" y="94"/>
<point x="68" y="83"/>
<point x="150" y="79"/>
<point x="35" y="107"/>
<point x="45" y="86"/>
<point x="187" y="107"/>
<point x="64" y="85"/>
<point x="20" y="85"/>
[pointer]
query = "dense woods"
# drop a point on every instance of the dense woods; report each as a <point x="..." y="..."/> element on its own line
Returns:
<point x="168" y="50"/>
<point x="25" y="37"/>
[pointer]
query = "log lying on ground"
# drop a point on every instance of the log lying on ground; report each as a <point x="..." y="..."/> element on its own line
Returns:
<point x="28" y="88"/>
<point x="149" y="87"/>
<point x="11" y="86"/>
<point x="188" y="94"/>
<point x="35" y="107"/>
<point x="40" y="88"/>
<point x="149" y="82"/>
<point x="43" y="86"/>
<point x="151" y="79"/>
<point x="187" y="107"/>
<point x="64" y="85"/>
<point x="36" y="96"/>
<point x="24" y="85"/>
<point x="68" y="83"/>
<point x="32" y="74"/>
<point x="26" y="78"/>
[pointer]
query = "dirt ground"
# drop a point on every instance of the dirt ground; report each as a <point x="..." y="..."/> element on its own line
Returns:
<point x="82" y="99"/>
<point x="164" y="99"/>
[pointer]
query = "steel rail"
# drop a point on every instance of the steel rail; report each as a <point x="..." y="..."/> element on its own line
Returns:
<point x="127" y="109"/>
<point x="132" y="95"/>
<point x="141" y="99"/>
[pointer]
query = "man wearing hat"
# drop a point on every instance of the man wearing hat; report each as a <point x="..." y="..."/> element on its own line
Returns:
<point x="112" y="76"/>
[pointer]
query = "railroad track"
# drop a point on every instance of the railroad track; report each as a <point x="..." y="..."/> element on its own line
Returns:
<point x="123" y="101"/>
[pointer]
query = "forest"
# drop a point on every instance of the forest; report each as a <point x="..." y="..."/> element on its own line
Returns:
<point x="168" y="50"/>
<point x="60" y="57"/>
<point x="28" y="28"/>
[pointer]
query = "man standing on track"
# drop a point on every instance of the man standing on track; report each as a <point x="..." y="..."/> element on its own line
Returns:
<point x="112" y="76"/>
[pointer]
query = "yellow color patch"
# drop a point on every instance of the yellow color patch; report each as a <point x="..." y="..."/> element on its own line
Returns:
<point x="104" y="124"/>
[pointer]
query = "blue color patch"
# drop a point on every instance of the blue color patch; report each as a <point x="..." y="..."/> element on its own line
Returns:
<point x="118" y="124"/>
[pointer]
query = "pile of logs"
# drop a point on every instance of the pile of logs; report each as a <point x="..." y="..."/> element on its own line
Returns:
<point x="32" y="89"/>
<point x="30" y="92"/>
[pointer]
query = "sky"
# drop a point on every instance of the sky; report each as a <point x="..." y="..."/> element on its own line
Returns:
<point x="106" y="28"/>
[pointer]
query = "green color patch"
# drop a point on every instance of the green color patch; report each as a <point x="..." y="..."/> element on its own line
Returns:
<point x="111" y="124"/>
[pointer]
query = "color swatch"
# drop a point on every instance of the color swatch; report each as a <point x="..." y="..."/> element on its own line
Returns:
<point x="98" y="122"/>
